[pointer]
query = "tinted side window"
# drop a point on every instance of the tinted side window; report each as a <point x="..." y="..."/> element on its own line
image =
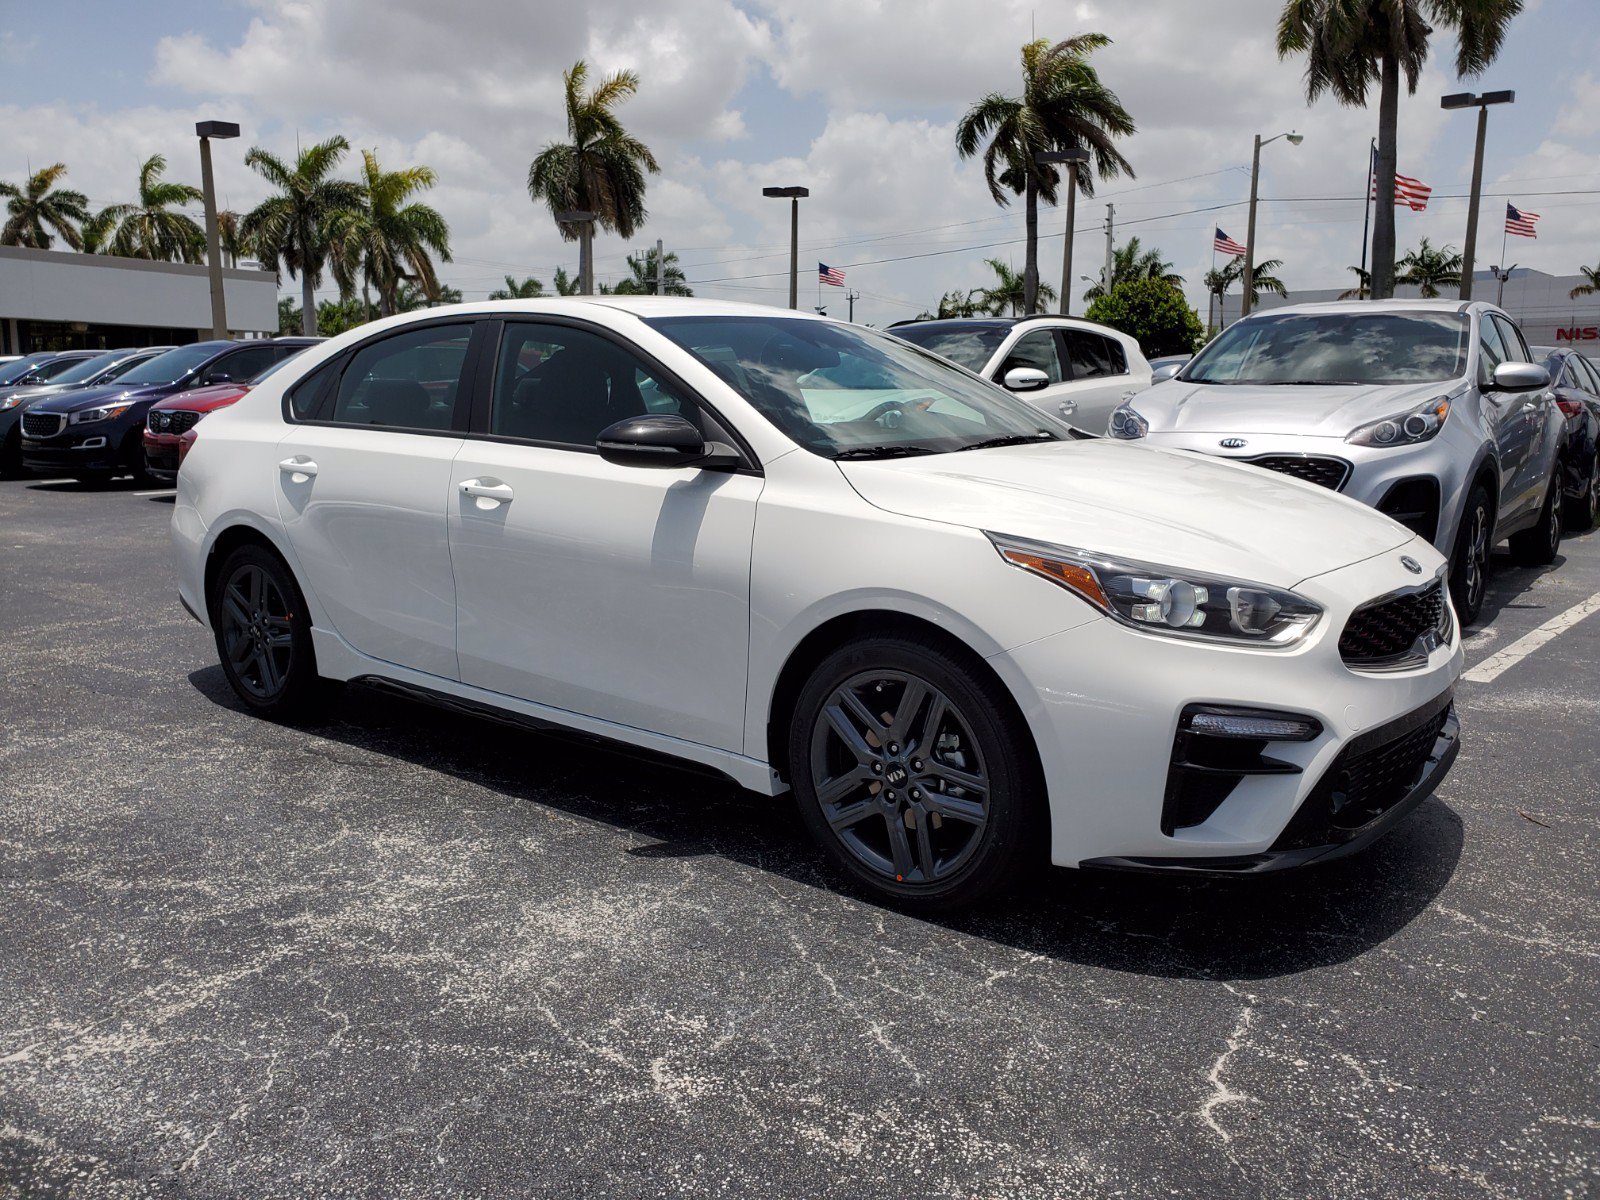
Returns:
<point x="243" y="365"/>
<point x="305" y="396"/>
<point x="1591" y="374"/>
<point x="1093" y="356"/>
<point x="1516" y="348"/>
<point x="1491" y="350"/>
<point x="558" y="384"/>
<point x="1036" y="350"/>
<point x="408" y="381"/>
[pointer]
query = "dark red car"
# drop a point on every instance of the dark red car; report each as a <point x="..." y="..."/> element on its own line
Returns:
<point x="169" y="425"/>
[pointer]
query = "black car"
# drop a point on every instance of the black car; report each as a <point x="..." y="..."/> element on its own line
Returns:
<point x="1575" y="386"/>
<point x="96" y="433"/>
<point x="83" y="369"/>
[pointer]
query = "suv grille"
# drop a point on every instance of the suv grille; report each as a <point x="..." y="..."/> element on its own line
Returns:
<point x="1385" y="633"/>
<point x="43" y="425"/>
<point x="172" y="420"/>
<point x="1324" y="472"/>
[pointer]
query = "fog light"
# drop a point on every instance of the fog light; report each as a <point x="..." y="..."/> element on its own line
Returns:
<point x="98" y="443"/>
<point x="1246" y="723"/>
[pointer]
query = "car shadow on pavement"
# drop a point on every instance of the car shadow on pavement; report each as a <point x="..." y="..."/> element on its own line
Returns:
<point x="1244" y="928"/>
<point x="1508" y="587"/>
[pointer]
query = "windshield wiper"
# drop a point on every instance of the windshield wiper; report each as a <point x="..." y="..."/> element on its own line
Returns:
<point x="1012" y="439"/>
<point x="901" y="451"/>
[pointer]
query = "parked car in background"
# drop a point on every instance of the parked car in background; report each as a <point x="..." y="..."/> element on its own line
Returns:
<point x="88" y="372"/>
<point x="41" y="367"/>
<point x="96" y="433"/>
<point x="1575" y="385"/>
<point x="169" y="424"/>
<point x="815" y="557"/>
<point x="1167" y="367"/>
<point x="1431" y="411"/>
<point x="1076" y="370"/>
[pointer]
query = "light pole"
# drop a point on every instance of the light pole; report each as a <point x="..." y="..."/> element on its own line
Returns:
<point x="794" y="195"/>
<point x="1501" y="275"/>
<point x="206" y="130"/>
<point x="1072" y="158"/>
<point x="1294" y="139"/>
<point x="584" y="220"/>
<point x="1481" y="103"/>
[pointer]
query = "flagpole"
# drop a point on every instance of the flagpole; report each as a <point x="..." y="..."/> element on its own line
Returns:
<point x="1366" y="216"/>
<point x="1505" y="230"/>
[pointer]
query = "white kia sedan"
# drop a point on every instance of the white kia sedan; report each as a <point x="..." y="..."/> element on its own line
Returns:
<point x="818" y="559"/>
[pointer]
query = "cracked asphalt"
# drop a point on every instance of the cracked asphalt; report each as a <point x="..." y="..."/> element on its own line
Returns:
<point x="406" y="953"/>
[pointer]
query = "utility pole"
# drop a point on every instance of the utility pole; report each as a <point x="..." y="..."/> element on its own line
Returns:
<point x="794" y="195"/>
<point x="852" y="297"/>
<point x="1072" y="158"/>
<point x="1250" y="231"/>
<point x="1481" y="103"/>
<point x="1111" y="212"/>
<point x="661" y="270"/>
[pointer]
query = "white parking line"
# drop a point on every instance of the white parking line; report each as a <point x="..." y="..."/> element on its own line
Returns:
<point x="1495" y="665"/>
<point x="157" y="492"/>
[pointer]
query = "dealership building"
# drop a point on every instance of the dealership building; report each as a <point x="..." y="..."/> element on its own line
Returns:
<point x="50" y="300"/>
<point x="1542" y="304"/>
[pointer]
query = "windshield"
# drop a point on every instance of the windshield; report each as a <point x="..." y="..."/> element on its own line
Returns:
<point x="86" y="369"/>
<point x="846" y="392"/>
<point x="1337" y="347"/>
<point x="972" y="347"/>
<point x="171" y="366"/>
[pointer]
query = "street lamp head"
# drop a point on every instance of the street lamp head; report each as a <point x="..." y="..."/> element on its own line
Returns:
<point x="1457" y="100"/>
<point x="575" y="216"/>
<point x="787" y="193"/>
<point x="1468" y="100"/>
<point x="216" y="129"/>
<point x="1074" y="155"/>
<point x="1506" y="97"/>
<point x="1295" y="138"/>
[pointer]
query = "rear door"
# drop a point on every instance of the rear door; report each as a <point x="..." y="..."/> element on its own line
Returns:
<point x="1537" y="412"/>
<point x="1506" y="417"/>
<point x="363" y="476"/>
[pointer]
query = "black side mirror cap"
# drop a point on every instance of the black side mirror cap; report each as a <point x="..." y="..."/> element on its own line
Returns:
<point x="662" y="440"/>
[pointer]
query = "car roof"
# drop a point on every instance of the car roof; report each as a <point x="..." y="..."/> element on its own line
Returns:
<point x="1398" y="304"/>
<point x="1047" y="320"/>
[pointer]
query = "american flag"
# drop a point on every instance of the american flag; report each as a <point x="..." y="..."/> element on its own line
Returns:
<point x="1413" y="193"/>
<point x="1520" y="221"/>
<point x="1223" y="244"/>
<point x="830" y="275"/>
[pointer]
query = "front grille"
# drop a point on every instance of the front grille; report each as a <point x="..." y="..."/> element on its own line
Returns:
<point x="1392" y="632"/>
<point x="172" y="420"/>
<point x="1371" y="775"/>
<point x="1324" y="472"/>
<point x="43" y="425"/>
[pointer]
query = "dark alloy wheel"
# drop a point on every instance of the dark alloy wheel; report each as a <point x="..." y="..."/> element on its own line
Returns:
<point x="263" y="635"/>
<point x="1469" y="564"/>
<point x="1537" y="545"/>
<point x="1583" y="511"/>
<point x="911" y="774"/>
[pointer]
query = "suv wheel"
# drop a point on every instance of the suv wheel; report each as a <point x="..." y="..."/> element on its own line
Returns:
<point x="1469" y="561"/>
<point x="1537" y="546"/>
<point x="913" y="776"/>
<point x="263" y="634"/>
<point x="1582" y="511"/>
<point x="11" y="457"/>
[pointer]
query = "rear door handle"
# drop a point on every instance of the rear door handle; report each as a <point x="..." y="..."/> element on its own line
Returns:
<point x="487" y="491"/>
<point x="299" y="468"/>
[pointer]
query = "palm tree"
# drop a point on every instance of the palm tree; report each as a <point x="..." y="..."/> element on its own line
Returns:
<point x="1063" y="106"/>
<point x="566" y="285"/>
<point x="1352" y="44"/>
<point x="234" y="247"/>
<point x="294" y="227"/>
<point x="1263" y="279"/>
<point x="642" y="281"/>
<point x="1592" y="274"/>
<point x="150" y="229"/>
<point x="1009" y="291"/>
<point x="1428" y="268"/>
<point x="601" y="170"/>
<point x="528" y="289"/>
<point x="39" y="206"/>
<point x="386" y="239"/>
<point x="1131" y="261"/>
<point x="409" y="297"/>
<point x="1363" y="288"/>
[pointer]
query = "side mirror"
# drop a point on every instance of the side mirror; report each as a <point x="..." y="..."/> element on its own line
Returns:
<point x="1025" y="379"/>
<point x="217" y="377"/>
<point x="1162" y="374"/>
<point x="1520" y="377"/>
<point x="662" y="440"/>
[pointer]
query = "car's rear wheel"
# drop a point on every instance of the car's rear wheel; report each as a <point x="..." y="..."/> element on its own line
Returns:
<point x="1469" y="561"/>
<point x="914" y="775"/>
<point x="1583" y="510"/>
<point x="264" y="635"/>
<point x="1537" y="545"/>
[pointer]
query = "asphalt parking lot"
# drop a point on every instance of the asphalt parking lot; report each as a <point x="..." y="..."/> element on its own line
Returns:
<point x="407" y="953"/>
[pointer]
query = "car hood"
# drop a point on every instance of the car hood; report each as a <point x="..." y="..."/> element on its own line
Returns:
<point x="1165" y="507"/>
<point x="82" y="398"/>
<point x="1316" y="410"/>
<point x="204" y="399"/>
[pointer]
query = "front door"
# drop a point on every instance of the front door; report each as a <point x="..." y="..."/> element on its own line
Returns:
<point x="621" y="593"/>
<point x="1507" y="418"/>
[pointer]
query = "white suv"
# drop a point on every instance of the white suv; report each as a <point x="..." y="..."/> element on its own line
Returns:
<point x="1076" y="370"/>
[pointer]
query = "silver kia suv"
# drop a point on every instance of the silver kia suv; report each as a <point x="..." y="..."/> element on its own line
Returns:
<point x="1432" y="411"/>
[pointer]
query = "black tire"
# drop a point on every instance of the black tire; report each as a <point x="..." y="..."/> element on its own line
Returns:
<point x="1581" y="512"/>
<point x="976" y="839"/>
<point x="1469" y="558"/>
<point x="277" y="679"/>
<point x="1537" y="545"/>
<point x="11" y="456"/>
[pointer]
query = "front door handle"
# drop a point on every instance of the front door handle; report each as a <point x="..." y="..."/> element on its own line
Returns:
<point x="483" y="490"/>
<point x="299" y="468"/>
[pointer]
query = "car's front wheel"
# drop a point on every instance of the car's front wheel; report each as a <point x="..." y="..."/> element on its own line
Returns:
<point x="1469" y="561"/>
<point x="1583" y="510"/>
<point x="914" y="773"/>
<point x="264" y="635"/>
<point x="11" y="456"/>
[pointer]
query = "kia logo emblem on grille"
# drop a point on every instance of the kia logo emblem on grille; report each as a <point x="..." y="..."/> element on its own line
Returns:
<point x="1233" y="443"/>
<point x="1411" y="564"/>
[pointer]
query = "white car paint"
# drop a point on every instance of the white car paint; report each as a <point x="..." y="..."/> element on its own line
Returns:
<point x="658" y="607"/>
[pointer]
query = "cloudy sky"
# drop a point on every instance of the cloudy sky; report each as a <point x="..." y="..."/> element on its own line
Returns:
<point x="854" y="98"/>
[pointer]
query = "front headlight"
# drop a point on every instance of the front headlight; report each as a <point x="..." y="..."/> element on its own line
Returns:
<point x="1407" y="429"/>
<point x="1127" y="424"/>
<point x="100" y="414"/>
<point x="1165" y="599"/>
<point x="10" y="402"/>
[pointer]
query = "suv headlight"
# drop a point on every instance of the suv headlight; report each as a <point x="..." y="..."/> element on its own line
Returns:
<point x="1407" y="429"/>
<point x="1127" y="424"/>
<point x="10" y="402"/>
<point x="100" y="414"/>
<point x="1168" y="600"/>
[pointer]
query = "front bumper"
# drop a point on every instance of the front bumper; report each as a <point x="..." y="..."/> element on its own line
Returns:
<point x="161" y="457"/>
<point x="96" y="446"/>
